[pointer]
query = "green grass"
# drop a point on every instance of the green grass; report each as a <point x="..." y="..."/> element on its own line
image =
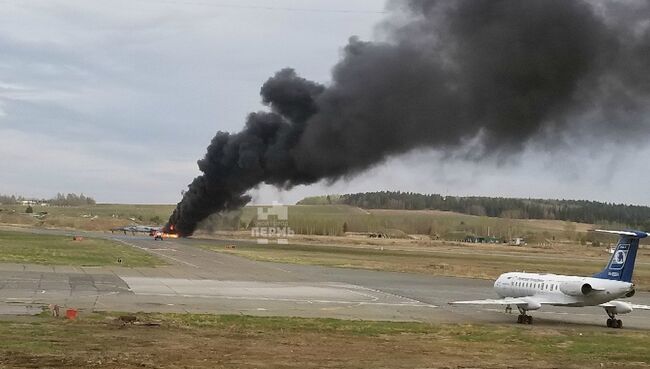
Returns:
<point x="20" y="247"/>
<point x="245" y="340"/>
<point x="269" y="324"/>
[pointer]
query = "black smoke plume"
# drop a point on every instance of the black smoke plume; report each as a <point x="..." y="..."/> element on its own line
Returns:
<point x="496" y="73"/>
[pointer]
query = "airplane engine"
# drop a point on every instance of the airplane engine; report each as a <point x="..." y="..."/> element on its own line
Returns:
<point x="630" y="293"/>
<point x="576" y="288"/>
<point x="532" y="305"/>
<point x="620" y="307"/>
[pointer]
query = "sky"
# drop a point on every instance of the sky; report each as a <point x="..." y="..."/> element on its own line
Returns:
<point x="119" y="99"/>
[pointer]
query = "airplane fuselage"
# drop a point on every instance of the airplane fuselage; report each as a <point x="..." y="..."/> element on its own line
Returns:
<point x="563" y="290"/>
<point x="530" y="291"/>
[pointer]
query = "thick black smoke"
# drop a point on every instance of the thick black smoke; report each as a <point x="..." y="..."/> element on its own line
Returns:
<point x="498" y="73"/>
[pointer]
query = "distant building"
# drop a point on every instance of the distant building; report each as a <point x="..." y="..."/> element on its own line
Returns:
<point x="479" y="239"/>
<point x="517" y="241"/>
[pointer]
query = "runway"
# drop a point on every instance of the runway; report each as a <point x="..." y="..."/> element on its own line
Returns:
<point x="204" y="281"/>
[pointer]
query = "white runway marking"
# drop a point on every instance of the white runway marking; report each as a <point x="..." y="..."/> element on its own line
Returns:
<point x="310" y="293"/>
<point x="153" y="251"/>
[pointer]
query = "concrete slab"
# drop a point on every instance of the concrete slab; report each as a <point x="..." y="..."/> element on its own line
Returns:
<point x="67" y="269"/>
<point x="323" y="293"/>
<point x="39" y="268"/>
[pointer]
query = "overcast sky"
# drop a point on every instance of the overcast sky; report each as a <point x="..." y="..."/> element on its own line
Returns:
<point x="119" y="99"/>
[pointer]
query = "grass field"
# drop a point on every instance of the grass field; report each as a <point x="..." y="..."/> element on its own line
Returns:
<point x="305" y="219"/>
<point x="92" y="217"/>
<point x="330" y="220"/>
<point x="457" y="261"/>
<point x="209" y="341"/>
<point x="19" y="247"/>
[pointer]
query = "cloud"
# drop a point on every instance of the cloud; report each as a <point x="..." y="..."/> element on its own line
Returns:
<point x="33" y="161"/>
<point x="119" y="100"/>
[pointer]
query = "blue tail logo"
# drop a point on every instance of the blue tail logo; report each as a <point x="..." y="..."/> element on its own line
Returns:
<point x="620" y="256"/>
<point x="621" y="265"/>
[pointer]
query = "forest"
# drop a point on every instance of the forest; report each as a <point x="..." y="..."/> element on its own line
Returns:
<point x="583" y="211"/>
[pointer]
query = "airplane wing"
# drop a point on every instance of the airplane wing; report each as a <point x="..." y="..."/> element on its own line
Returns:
<point x="633" y="306"/>
<point x="528" y="300"/>
<point x="504" y="301"/>
<point x="623" y="233"/>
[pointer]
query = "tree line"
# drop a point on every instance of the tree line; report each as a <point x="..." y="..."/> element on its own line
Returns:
<point x="60" y="199"/>
<point x="583" y="211"/>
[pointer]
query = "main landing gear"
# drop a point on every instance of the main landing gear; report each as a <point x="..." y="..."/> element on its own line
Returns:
<point x="523" y="318"/>
<point x="612" y="322"/>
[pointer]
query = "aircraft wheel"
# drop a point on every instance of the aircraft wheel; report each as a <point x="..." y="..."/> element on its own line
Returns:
<point x="609" y="323"/>
<point x="520" y="319"/>
<point x="529" y="320"/>
<point x="619" y="324"/>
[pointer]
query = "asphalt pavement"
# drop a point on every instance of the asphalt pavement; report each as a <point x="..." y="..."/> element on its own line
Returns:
<point x="202" y="281"/>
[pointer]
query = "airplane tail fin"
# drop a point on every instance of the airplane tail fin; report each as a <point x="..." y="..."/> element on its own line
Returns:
<point x="621" y="265"/>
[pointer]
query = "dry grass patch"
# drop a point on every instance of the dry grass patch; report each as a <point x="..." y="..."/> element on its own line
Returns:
<point x="211" y="341"/>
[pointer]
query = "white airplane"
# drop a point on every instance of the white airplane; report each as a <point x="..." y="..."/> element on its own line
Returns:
<point x="529" y="291"/>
